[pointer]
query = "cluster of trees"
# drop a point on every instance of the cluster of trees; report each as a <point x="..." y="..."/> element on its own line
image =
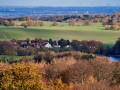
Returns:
<point x="9" y="23"/>
<point x="65" y="73"/>
<point x="49" y="56"/>
<point x="109" y="21"/>
<point x="112" y="22"/>
<point x="31" y="22"/>
<point x="88" y="46"/>
<point x="27" y="22"/>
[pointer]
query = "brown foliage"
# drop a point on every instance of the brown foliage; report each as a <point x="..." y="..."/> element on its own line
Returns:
<point x="54" y="24"/>
<point x="107" y="27"/>
<point x="78" y="72"/>
<point x="116" y="27"/>
<point x="86" y="23"/>
<point x="72" y="22"/>
<point x="24" y="25"/>
<point x="58" y="67"/>
<point x="7" y="48"/>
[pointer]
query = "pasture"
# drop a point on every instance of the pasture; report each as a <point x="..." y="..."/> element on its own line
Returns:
<point x="95" y="31"/>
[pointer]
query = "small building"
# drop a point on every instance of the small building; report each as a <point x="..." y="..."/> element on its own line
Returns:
<point x="48" y="45"/>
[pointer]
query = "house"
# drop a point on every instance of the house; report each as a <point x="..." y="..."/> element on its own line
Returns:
<point x="48" y="45"/>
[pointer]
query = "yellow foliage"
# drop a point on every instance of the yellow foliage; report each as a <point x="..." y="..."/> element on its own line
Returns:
<point x="90" y="79"/>
<point x="57" y="85"/>
<point x="22" y="76"/>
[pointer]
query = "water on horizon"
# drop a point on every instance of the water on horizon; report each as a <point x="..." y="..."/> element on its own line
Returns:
<point x="46" y="11"/>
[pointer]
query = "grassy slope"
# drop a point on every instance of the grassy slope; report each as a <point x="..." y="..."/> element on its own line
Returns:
<point x="14" y="57"/>
<point x="92" y="32"/>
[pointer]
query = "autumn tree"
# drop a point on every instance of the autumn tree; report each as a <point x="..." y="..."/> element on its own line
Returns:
<point x="21" y="76"/>
<point x="114" y="21"/>
<point x="54" y="24"/>
<point x="24" y="25"/>
<point x="86" y="23"/>
<point x="116" y="27"/>
<point x="12" y="23"/>
<point x="78" y="72"/>
<point x="7" y="48"/>
<point x="30" y="22"/>
<point x="104" y="21"/>
<point x="6" y="23"/>
<point x="72" y="22"/>
<point x="26" y="18"/>
<point x="108" y="27"/>
<point x="41" y="23"/>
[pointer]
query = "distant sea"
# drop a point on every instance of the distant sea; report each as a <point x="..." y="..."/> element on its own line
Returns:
<point x="47" y="11"/>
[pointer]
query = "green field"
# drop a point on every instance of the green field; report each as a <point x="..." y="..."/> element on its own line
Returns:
<point x="16" y="58"/>
<point x="63" y="30"/>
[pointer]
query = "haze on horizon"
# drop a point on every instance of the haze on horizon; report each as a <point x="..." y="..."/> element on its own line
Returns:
<point x="55" y="3"/>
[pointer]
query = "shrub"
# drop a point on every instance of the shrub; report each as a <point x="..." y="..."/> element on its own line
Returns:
<point x="86" y="23"/>
<point x="72" y="22"/>
<point x="55" y="24"/>
<point x="39" y="57"/>
<point x="6" y="23"/>
<point x="30" y="22"/>
<point x="13" y="23"/>
<point x="48" y="56"/>
<point x="107" y="27"/>
<point x="116" y="27"/>
<point x="24" y="25"/>
<point x="25" y="52"/>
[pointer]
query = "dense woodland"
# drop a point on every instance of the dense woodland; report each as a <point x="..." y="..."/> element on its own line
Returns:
<point x="60" y="71"/>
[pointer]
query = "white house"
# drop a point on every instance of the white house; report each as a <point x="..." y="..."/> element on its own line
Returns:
<point x="48" y="45"/>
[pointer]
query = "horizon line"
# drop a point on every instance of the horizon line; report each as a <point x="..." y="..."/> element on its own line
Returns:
<point x="60" y="6"/>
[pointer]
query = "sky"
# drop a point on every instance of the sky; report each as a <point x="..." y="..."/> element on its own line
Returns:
<point x="56" y="3"/>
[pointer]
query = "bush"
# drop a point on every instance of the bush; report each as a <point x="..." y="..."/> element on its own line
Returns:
<point x="48" y="57"/>
<point x="107" y="27"/>
<point x="116" y="27"/>
<point x="25" y="52"/>
<point x="55" y="24"/>
<point x="6" y="23"/>
<point x="39" y="57"/>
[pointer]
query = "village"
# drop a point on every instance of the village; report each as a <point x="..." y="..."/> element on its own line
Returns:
<point x="38" y="43"/>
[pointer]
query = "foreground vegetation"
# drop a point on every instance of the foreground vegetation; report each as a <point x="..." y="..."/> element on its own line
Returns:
<point x="63" y="73"/>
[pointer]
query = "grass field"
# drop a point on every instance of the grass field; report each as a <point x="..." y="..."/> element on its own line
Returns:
<point x="93" y="32"/>
<point x="13" y="57"/>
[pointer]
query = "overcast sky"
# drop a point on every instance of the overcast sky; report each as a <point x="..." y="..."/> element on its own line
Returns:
<point x="59" y="2"/>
